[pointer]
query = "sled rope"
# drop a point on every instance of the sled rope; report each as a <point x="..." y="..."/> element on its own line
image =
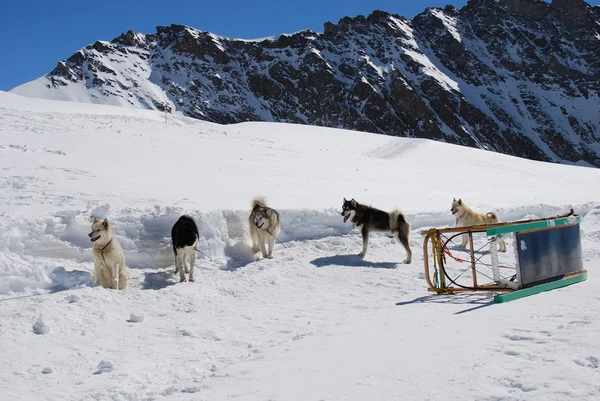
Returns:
<point x="477" y="261"/>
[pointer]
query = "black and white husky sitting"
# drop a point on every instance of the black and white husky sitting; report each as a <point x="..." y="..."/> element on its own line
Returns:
<point x="184" y="235"/>
<point x="264" y="226"/>
<point x="367" y="219"/>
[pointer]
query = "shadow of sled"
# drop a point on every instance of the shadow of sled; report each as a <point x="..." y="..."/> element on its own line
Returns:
<point x="480" y="300"/>
<point x="351" y="260"/>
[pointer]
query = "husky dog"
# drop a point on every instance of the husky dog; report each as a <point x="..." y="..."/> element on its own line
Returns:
<point x="110" y="270"/>
<point x="184" y="236"/>
<point x="367" y="219"/>
<point x="465" y="216"/>
<point x="264" y="226"/>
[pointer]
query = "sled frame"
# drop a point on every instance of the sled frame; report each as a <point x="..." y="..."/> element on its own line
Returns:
<point x="436" y="277"/>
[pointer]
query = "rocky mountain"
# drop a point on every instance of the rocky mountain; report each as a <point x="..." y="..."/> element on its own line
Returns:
<point x="520" y="77"/>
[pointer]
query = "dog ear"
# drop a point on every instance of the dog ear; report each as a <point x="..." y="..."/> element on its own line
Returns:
<point x="105" y="223"/>
<point x="345" y="199"/>
<point x="95" y="219"/>
<point x="353" y="202"/>
<point x="453" y="199"/>
<point x="460" y="201"/>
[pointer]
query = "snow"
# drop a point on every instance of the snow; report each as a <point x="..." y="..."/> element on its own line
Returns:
<point x="315" y="322"/>
<point x="449" y="23"/>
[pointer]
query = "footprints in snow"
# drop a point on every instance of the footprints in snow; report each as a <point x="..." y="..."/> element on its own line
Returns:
<point x="590" y="362"/>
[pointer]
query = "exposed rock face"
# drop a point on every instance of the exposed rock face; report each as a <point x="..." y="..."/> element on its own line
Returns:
<point x="520" y="77"/>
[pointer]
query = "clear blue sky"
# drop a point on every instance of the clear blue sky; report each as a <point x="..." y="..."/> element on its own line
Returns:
<point x="36" y="34"/>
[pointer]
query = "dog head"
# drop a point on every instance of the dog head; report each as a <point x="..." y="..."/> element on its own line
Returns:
<point x="457" y="207"/>
<point x="348" y="209"/>
<point x="101" y="232"/>
<point x="261" y="219"/>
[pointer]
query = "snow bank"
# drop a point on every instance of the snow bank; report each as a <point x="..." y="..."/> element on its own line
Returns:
<point x="54" y="254"/>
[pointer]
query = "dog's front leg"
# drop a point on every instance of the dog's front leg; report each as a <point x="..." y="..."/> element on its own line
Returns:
<point x="97" y="272"/>
<point x="365" y="235"/>
<point x="253" y="235"/>
<point x="271" y="246"/>
<point x="465" y="240"/>
<point x="261" y="243"/>
<point x="115" y="276"/>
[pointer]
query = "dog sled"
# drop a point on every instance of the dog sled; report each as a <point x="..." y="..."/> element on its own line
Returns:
<point x="547" y="255"/>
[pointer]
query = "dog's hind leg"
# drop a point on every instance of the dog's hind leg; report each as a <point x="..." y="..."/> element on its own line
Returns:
<point x="365" y="235"/>
<point x="502" y="246"/>
<point x="192" y="262"/>
<point x="402" y="238"/>
<point x="105" y="277"/>
<point x="181" y="262"/>
<point x="123" y="278"/>
<point x="176" y="263"/>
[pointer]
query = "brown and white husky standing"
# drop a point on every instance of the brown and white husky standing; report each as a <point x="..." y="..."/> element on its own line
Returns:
<point x="465" y="216"/>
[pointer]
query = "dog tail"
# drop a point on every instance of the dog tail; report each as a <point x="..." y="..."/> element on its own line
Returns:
<point x="492" y="218"/>
<point x="259" y="201"/>
<point x="398" y="222"/>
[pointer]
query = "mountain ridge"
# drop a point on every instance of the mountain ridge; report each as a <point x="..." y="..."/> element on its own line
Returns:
<point x="520" y="77"/>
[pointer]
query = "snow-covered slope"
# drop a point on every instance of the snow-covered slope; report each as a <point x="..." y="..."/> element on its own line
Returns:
<point x="518" y="77"/>
<point x="313" y="323"/>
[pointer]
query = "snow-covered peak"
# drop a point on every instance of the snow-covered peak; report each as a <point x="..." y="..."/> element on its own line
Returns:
<point x="516" y="76"/>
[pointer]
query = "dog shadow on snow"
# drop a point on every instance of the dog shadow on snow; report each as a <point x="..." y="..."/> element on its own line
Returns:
<point x="159" y="280"/>
<point x="352" y="261"/>
<point x="62" y="279"/>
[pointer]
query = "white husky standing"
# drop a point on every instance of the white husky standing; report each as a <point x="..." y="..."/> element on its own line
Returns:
<point x="264" y="226"/>
<point x="110" y="270"/>
<point x="465" y="216"/>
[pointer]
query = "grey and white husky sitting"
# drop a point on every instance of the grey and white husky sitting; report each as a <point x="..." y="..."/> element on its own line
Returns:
<point x="264" y="226"/>
<point x="367" y="219"/>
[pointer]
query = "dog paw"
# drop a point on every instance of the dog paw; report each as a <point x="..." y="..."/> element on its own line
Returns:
<point x="255" y="248"/>
<point x="183" y="280"/>
<point x="362" y="255"/>
<point x="192" y="279"/>
<point x="269" y="256"/>
<point x="407" y="262"/>
<point x="187" y="271"/>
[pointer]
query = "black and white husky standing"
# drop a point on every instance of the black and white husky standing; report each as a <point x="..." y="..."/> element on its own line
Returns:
<point x="264" y="226"/>
<point x="184" y="235"/>
<point x="367" y="219"/>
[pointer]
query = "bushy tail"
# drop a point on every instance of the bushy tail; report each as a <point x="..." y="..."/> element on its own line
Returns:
<point x="259" y="201"/>
<point x="492" y="218"/>
<point x="398" y="222"/>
